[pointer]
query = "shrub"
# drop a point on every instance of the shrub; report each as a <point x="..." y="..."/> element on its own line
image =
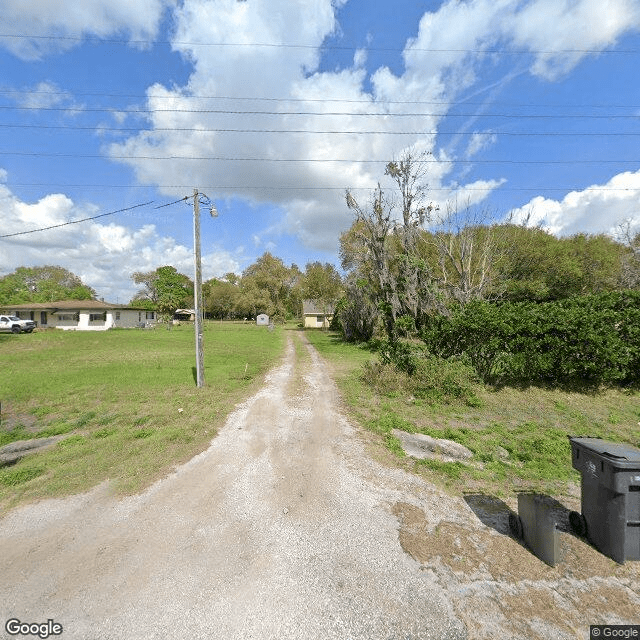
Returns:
<point x="587" y="338"/>
<point x="434" y="379"/>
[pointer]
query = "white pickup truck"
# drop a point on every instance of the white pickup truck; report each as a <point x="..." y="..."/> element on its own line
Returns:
<point x="16" y="325"/>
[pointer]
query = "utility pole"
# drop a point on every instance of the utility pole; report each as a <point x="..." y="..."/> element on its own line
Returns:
<point x="197" y="292"/>
<point x="197" y="280"/>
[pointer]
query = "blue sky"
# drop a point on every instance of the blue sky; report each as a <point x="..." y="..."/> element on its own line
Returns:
<point x="274" y="107"/>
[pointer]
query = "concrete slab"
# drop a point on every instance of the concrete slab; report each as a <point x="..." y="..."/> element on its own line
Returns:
<point x="538" y="515"/>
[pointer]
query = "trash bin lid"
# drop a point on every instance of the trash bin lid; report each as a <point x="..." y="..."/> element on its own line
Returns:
<point x="623" y="456"/>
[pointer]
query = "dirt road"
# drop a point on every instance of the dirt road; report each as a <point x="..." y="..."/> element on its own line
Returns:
<point x="286" y="529"/>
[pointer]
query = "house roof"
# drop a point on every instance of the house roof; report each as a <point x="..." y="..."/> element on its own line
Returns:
<point x="71" y="305"/>
<point x="314" y="307"/>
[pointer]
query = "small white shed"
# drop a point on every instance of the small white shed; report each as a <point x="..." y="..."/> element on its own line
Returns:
<point x="262" y="320"/>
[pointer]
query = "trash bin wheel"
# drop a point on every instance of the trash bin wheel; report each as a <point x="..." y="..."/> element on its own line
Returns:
<point x="578" y="524"/>
<point x="515" y="524"/>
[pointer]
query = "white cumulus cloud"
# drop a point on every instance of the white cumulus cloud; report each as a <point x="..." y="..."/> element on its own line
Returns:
<point x="57" y="25"/>
<point x="596" y="209"/>
<point x="103" y="254"/>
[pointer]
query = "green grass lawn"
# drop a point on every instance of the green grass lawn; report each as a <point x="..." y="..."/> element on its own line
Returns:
<point x="127" y="400"/>
<point x="518" y="436"/>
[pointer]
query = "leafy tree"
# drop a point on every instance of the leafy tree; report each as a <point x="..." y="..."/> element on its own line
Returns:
<point x="167" y="289"/>
<point x="536" y="265"/>
<point x="43" y="284"/>
<point x="148" y="292"/>
<point x="232" y="278"/>
<point x="220" y="297"/>
<point x="252" y="301"/>
<point x="293" y="284"/>
<point x="356" y="313"/>
<point x="265" y="287"/>
<point x="323" y="284"/>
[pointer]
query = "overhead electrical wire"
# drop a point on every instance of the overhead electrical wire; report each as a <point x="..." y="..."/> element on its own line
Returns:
<point x="66" y="224"/>
<point x="304" y="160"/>
<point x="376" y="114"/>
<point x="214" y="188"/>
<point x="309" y="131"/>
<point x="76" y="93"/>
<point x="323" y="47"/>
<point x="310" y="113"/>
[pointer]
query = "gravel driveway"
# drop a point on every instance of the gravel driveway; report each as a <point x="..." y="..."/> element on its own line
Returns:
<point x="285" y="528"/>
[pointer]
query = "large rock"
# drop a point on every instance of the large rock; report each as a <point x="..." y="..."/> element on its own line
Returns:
<point x="417" y="445"/>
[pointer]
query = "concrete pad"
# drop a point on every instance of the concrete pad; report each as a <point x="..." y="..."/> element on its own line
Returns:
<point x="539" y="519"/>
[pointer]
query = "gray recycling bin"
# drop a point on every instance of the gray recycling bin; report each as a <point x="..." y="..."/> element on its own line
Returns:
<point x="610" y="516"/>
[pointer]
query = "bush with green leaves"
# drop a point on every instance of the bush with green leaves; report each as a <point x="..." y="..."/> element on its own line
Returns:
<point x="434" y="380"/>
<point x="593" y="339"/>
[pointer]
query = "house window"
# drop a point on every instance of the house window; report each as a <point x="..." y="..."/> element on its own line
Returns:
<point x="117" y="315"/>
<point x="320" y="319"/>
<point x="97" y="317"/>
<point x="66" y="316"/>
<point x="150" y="315"/>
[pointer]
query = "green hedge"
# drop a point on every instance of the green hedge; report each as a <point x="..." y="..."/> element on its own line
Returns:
<point x="594" y="339"/>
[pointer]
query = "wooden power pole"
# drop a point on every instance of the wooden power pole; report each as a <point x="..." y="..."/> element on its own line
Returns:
<point x="197" y="292"/>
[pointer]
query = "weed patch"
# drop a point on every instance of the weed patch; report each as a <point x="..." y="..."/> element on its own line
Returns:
<point x="451" y="470"/>
<point x="105" y="433"/>
<point x="72" y="441"/>
<point x="17" y="476"/>
<point x="143" y="433"/>
<point x="56" y="429"/>
<point x="85" y="419"/>
<point x="434" y="380"/>
<point x="13" y="435"/>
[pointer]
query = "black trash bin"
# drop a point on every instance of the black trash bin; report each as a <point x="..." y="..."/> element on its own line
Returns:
<point x="610" y="516"/>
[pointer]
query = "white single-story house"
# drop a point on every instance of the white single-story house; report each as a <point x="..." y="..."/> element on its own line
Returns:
<point x="315" y="316"/>
<point x="82" y="315"/>
<point x="262" y="319"/>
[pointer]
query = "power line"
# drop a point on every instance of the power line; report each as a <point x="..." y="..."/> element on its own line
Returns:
<point x="311" y="160"/>
<point x="169" y="204"/>
<point x="214" y="188"/>
<point x="65" y="224"/>
<point x="323" y="47"/>
<point x="448" y="103"/>
<point x="376" y="114"/>
<point x="308" y="131"/>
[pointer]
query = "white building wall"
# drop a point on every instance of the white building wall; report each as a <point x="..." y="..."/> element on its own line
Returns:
<point x="65" y="319"/>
